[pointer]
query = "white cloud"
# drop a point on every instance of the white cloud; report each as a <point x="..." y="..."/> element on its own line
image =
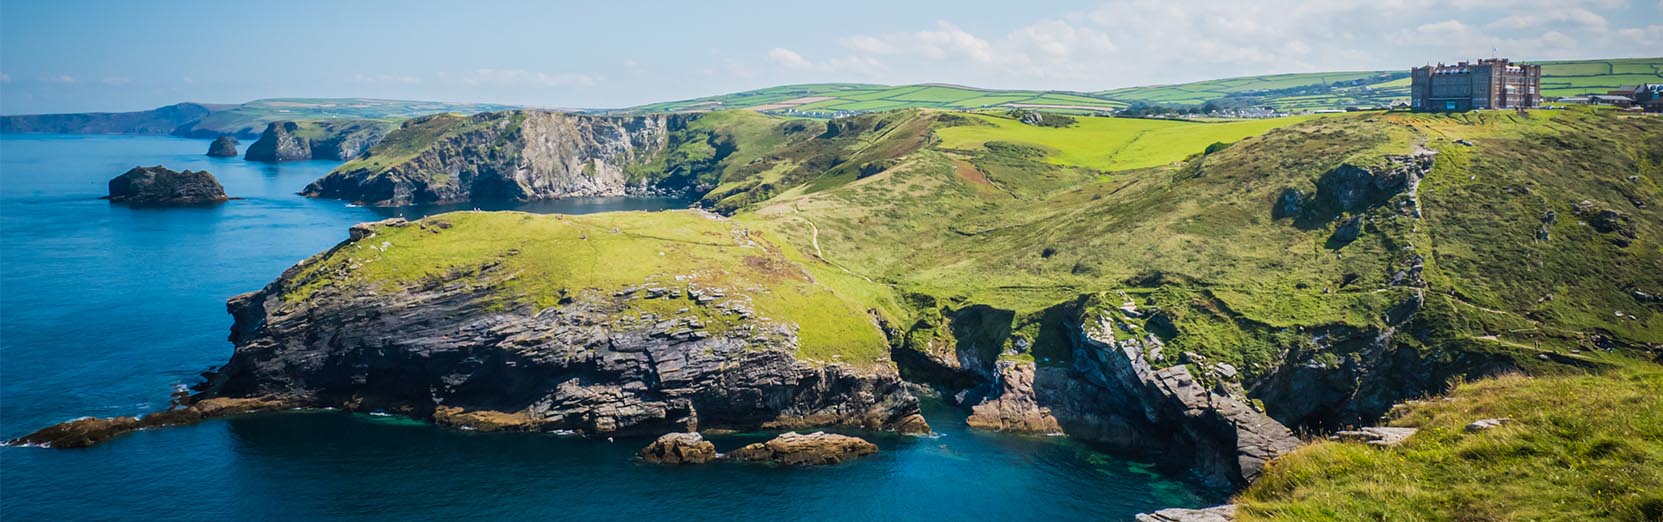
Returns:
<point x="1557" y="17"/>
<point x="788" y="58"/>
<point x="116" y="80"/>
<point x="56" y="78"/>
<point x="5" y="78"/>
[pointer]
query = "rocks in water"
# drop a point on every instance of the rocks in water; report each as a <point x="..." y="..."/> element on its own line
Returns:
<point x="679" y="448"/>
<point x="280" y="142"/>
<point x="814" y="449"/>
<point x="159" y="185"/>
<point x="1347" y="231"/>
<point x="334" y="139"/>
<point x="1487" y="424"/>
<point x="1014" y="406"/>
<point x="87" y="431"/>
<point x="1224" y="513"/>
<point x="1375" y="435"/>
<point x="223" y="147"/>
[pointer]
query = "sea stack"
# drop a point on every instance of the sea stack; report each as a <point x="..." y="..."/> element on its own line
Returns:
<point x="280" y="143"/>
<point x="223" y="147"/>
<point x="159" y="185"/>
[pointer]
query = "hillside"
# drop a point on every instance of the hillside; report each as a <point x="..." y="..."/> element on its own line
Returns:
<point x="1321" y="269"/>
<point x="1288" y="92"/>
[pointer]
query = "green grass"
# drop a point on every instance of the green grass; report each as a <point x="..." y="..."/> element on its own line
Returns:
<point x="1109" y="143"/>
<point x="539" y="260"/>
<point x="1580" y="447"/>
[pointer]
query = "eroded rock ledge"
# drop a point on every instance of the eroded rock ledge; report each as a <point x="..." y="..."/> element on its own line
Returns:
<point x="790" y="449"/>
<point x="87" y="431"/>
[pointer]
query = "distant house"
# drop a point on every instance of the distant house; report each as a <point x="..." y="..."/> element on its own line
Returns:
<point x="1648" y="96"/>
<point x="1491" y="83"/>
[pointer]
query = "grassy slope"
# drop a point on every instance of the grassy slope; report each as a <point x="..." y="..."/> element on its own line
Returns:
<point x="1108" y="143"/>
<point x="1582" y="447"/>
<point x="554" y="257"/>
<point x="1299" y="91"/>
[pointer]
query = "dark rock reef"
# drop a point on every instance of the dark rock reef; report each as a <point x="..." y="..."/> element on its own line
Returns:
<point x="223" y="147"/>
<point x="159" y="185"/>
<point x="87" y="431"/>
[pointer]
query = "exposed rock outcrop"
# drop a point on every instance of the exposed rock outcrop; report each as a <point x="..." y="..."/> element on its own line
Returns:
<point x="1224" y="513"/>
<point x="515" y="155"/>
<point x="1014" y="405"/>
<point x="159" y="185"/>
<point x="1375" y="435"/>
<point x="280" y="142"/>
<point x="454" y="352"/>
<point x="814" y="449"/>
<point x="679" y="448"/>
<point x="223" y="147"/>
<point x="87" y="431"/>
<point x="332" y="140"/>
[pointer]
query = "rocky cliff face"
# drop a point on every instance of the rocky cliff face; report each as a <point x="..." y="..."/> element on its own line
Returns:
<point x="453" y="352"/>
<point x="516" y="155"/>
<point x="280" y="142"/>
<point x="289" y="141"/>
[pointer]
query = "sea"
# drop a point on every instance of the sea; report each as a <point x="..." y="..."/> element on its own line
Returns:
<point x="107" y="309"/>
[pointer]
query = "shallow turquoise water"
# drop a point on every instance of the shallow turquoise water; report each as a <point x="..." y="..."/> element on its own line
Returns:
<point x="104" y="309"/>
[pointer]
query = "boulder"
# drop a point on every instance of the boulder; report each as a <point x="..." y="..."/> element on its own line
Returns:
<point x="1224" y="513"/>
<point x="1487" y="424"/>
<point x="679" y="448"/>
<point x="223" y="147"/>
<point x="814" y="449"/>
<point x="1347" y="231"/>
<point x="159" y="185"/>
<point x="1375" y="435"/>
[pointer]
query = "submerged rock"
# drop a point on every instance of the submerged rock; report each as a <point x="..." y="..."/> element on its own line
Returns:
<point x="814" y="449"/>
<point x="159" y="185"/>
<point x="679" y="448"/>
<point x="223" y="147"/>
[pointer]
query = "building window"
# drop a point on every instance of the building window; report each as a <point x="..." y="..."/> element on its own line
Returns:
<point x="1449" y="105"/>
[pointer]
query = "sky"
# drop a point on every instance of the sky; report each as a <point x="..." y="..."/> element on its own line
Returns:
<point x="74" y="56"/>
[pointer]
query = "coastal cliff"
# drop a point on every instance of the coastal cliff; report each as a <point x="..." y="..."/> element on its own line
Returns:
<point x="473" y="345"/>
<point x="514" y="155"/>
<point x="333" y="140"/>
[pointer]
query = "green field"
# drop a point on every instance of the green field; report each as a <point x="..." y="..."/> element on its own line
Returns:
<point x="1289" y="92"/>
<point x="1109" y="144"/>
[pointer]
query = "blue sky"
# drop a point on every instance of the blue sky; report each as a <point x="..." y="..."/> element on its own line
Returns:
<point x="63" y="56"/>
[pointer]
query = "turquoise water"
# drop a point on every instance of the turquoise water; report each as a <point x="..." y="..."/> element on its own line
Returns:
<point x="105" y="309"/>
